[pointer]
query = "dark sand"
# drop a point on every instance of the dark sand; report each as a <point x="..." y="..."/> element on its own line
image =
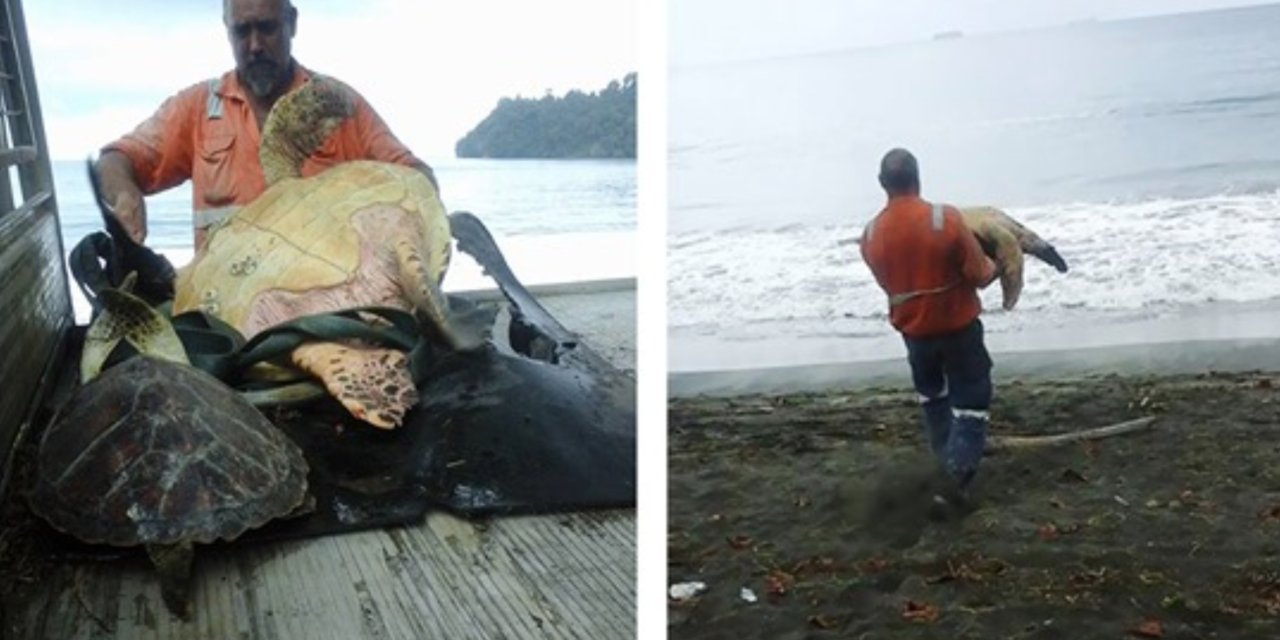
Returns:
<point x="819" y="503"/>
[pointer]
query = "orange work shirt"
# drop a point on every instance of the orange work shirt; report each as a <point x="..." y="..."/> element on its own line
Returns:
<point x="207" y="133"/>
<point x="929" y="263"/>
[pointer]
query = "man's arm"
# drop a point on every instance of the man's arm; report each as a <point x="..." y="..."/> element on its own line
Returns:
<point x="156" y="155"/>
<point x="976" y="269"/>
<point x="121" y="193"/>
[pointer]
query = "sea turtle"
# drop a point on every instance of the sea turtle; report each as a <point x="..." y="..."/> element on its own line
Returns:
<point x="359" y="234"/>
<point x="155" y="452"/>
<point x="1005" y="240"/>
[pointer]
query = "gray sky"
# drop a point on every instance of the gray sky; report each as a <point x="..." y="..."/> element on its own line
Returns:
<point x="433" y="70"/>
<point x="702" y="31"/>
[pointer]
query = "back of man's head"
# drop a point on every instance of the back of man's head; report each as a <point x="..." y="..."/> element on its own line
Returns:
<point x="899" y="172"/>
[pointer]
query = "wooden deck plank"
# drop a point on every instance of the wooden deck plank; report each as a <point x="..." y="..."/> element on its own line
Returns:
<point x="534" y="577"/>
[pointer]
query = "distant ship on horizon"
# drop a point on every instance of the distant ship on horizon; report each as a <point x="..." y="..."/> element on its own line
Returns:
<point x="948" y="35"/>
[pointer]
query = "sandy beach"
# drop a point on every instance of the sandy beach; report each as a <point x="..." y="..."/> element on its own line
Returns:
<point x="800" y="498"/>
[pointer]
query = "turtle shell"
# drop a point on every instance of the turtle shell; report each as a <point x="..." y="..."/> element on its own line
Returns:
<point x="357" y="234"/>
<point x="153" y="452"/>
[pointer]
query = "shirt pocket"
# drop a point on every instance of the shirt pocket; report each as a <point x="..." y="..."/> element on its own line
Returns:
<point x="214" y="176"/>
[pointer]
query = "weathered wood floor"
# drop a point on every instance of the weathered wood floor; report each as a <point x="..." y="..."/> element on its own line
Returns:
<point x="568" y="576"/>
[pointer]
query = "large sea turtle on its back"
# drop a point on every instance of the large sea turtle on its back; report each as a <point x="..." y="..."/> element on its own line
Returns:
<point x="156" y="452"/>
<point x="360" y="234"/>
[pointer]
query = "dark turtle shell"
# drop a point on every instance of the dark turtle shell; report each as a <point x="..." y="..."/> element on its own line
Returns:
<point x="152" y="452"/>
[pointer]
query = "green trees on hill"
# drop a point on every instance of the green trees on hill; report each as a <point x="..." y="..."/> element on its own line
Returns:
<point x="579" y="125"/>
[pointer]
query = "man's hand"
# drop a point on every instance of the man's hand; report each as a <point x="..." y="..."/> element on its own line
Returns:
<point x="121" y="194"/>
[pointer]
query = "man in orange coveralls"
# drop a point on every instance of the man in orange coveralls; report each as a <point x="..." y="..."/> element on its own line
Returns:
<point x="209" y="132"/>
<point x="931" y="266"/>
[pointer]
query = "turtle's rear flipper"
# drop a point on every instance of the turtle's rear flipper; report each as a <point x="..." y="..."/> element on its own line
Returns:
<point x="372" y="383"/>
<point x="173" y="562"/>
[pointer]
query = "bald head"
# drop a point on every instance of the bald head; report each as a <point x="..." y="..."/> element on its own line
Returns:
<point x="899" y="173"/>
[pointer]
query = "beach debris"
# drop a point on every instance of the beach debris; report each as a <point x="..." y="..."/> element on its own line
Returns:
<point x="821" y="621"/>
<point x="748" y="595"/>
<point x="740" y="542"/>
<point x="778" y="582"/>
<point x="1121" y="501"/>
<point x="1270" y="513"/>
<point x="1047" y="531"/>
<point x="815" y="564"/>
<point x="1000" y="443"/>
<point x="1071" y="475"/>
<point x="919" y="611"/>
<point x="875" y="564"/>
<point x="1148" y="628"/>
<point x="802" y="501"/>
<point x="682" y="591"/>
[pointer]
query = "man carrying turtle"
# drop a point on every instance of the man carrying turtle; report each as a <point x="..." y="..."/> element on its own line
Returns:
<point x="209" y="132"/>
<point x="931" y="267"/>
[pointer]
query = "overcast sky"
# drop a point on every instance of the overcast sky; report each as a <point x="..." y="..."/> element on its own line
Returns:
<point x="432" y="69"/>
<point x="703" y="31"/>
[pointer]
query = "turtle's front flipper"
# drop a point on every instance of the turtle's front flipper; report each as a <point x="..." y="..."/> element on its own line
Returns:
<point x="128" y="318"/>
<point x="1002" y="246"/>
<point x="173" y="562"/>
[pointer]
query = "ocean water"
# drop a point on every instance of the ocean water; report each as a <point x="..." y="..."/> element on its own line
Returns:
<point x="1145" y="151"/>
<point x="557" y="221"/>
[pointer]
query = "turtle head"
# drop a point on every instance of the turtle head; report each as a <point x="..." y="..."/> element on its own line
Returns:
<point x="299" y="122"/>
<point x="126" y="317"/>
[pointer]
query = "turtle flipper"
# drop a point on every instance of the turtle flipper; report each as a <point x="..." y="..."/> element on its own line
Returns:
<point x="1030" y="241"/>
<point x="125" y="317"/>
<point x="373" y="384"/>
<point x="429" y="300"/>
<point x="173" y="562"/>
<point x="1046" y="252"/>
<point x="1002" y="245"/>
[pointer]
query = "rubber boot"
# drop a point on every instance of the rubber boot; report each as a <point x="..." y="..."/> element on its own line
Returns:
<point x="937" y="425"/>
<point x="964" y="448"/>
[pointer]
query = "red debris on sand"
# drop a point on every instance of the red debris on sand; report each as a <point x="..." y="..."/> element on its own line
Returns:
<point x="873" y="565"/>
<point x="778" y="582"/>
<point x="919" y="611"/>
<point x="1149" y="628"/>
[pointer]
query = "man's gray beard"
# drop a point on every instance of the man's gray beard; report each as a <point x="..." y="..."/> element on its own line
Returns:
<point x="263" y="79"/>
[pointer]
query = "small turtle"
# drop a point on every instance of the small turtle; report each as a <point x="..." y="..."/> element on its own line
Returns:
<point x="359" y="234"/>
<point x="155" y="452"/>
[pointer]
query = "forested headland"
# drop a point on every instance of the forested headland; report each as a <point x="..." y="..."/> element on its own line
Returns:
<point x="600" y="124"/>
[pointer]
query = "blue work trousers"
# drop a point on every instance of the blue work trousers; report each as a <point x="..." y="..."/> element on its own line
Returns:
<point x="952" y="374"/>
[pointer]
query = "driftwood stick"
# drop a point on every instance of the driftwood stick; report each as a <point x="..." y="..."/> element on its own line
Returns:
<point x="1004" y="443"/>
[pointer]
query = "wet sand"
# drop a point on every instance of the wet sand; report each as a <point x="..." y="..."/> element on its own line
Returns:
<point x="819" y="504"/>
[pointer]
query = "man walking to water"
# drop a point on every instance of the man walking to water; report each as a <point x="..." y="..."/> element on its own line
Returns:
<point x="931" y="267"/>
